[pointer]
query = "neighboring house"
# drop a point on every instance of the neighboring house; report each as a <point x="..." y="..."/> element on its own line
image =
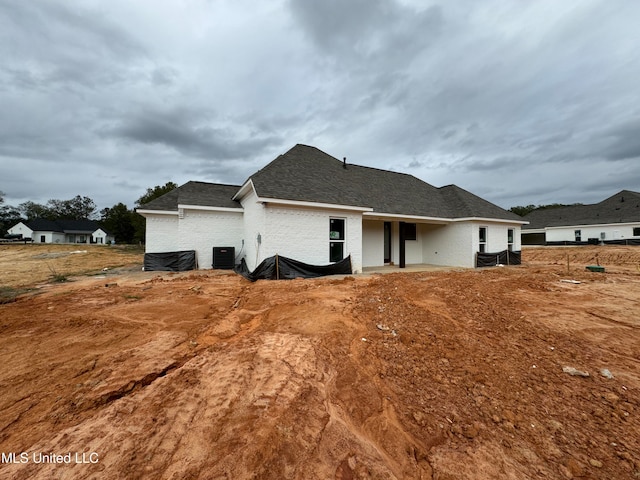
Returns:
<point x="61" y="231"/>
<point x="312" y="207"/>
<point x="615" y="219"/>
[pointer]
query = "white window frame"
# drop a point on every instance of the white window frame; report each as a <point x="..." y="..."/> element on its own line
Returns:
<point x="482" y="245"/>
<point x="343" y="240"/>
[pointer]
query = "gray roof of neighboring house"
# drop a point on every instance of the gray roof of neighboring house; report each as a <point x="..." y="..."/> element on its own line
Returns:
<point x="62" y="226"/>
<point x="196" y="193"/>
<point x="623" y="207"/>
<point x="307" y="174"/>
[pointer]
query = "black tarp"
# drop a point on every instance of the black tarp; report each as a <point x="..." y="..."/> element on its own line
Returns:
<point x="283" y="268"/>
<point x="170" y="261"/>
<point x="595" y="241"/>
<point x="626" y="241"/>
<point x="504" y="257"/>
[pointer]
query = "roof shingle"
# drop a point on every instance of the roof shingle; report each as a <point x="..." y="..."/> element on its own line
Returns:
<point x="196" y="193"/>
<point x="307" y="174"/>
<point x="623" y="207"/>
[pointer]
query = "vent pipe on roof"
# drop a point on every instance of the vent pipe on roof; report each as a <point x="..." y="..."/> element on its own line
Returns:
<point x="344" y="162"/>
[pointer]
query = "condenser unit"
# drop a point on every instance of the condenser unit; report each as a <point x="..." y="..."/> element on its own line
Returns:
<point x="224" y="257"/>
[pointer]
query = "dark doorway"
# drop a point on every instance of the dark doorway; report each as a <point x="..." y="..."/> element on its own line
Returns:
<point x="387" y="242"/>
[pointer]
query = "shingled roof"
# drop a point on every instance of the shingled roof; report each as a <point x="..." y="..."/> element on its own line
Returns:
<point x="305" y="173"/>
<point x="623" y="207"/>
<point x="196" y="193"/>
<point x="62" y="226"/>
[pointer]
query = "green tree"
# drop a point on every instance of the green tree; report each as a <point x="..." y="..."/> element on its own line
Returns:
<point x="139" y="223"/>
<point x="522" y="211"/>
<point x="77" y="208"/>
<point x="155" y="192"/>
<point x="9" y="216"/>
<point x="32" y="210"/>
<point x="118" y="220"/>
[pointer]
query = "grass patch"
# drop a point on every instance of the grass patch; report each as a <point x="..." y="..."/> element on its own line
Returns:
<point x="9" y="294"/>
<point x="56" y="277"/>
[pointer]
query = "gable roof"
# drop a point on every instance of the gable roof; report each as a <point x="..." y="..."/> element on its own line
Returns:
<point x="305" y="173"/>
<point x="196" y="193"/>
<point x="62" y="226"/>
<point x="623" y="207"/>
<point x="465" y="204"/>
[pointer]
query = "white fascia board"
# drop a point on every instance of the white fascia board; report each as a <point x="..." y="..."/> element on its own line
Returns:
<point x="490" y="220"/>
<point x="601" y="225"/>
<point x="298" y="203"/>
<point x="156" y="212"/>
<point x="244" y="189"/>
<point x="533" y="230"/>
<point x="400" y="217"/>
<point x="212" y="209"/>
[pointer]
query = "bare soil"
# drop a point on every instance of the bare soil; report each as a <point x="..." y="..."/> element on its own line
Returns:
<point x="431" y="375"/>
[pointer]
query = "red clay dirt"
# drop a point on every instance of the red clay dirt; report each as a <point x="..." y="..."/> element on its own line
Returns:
<point x="432" y="375"/>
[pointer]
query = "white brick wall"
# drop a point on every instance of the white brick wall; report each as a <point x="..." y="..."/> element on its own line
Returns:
<point x="497" y="237"/>
<point x="161" y="233"/>
<point x="612" y="232"/>
<point x="448" y="244"/>
<point x="201" y="230"/>
<point x="253" y="224"/>
<point x="303" y="234"/>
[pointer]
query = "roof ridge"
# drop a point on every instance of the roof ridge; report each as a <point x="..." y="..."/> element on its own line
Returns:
<point x="210" y="183"/>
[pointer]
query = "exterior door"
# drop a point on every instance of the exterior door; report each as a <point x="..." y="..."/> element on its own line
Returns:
<point x="387" y="242"/>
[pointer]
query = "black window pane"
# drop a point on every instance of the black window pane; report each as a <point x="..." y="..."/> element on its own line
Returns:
<point x="336" y="229"/>
<point x="336" y="251"/>
<point x="410" y="231"/>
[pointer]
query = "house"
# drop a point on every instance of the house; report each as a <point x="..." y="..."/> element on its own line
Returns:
<point x="41" y="230"/>
<point x="615" y="219"/>
<point x="312" y="207"/>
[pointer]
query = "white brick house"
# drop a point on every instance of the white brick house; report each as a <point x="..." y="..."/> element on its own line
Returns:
<point x="615" y="219"/>
<point x="312" y="207"/>
<point x="61" y="231"/>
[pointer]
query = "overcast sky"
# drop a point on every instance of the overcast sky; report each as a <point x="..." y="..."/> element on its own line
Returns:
<point x="520" y="102"/>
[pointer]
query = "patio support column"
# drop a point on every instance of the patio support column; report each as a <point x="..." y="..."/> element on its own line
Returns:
<point x="401" y="246"/>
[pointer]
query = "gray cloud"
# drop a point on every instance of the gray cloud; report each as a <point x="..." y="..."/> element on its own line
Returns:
<point x="520" y="102"/>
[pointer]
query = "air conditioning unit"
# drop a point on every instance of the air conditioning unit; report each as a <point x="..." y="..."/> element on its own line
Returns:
<point x="224" y="257"/>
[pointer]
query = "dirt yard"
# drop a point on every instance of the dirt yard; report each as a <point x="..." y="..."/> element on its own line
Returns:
<point x="528" y="372"/>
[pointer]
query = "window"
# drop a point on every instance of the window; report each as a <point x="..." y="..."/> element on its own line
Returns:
<point x="336" y="239"/>
<point x="483" y="239"/>
<point x="636" y="231"/>
<point x="410" y="231"/>
<point x="578" y="234"/>
<point x="510" y="235"/>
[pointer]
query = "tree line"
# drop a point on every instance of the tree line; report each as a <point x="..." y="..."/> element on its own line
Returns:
<point x="524" y="210"/>
<point x="125" y="225"/>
